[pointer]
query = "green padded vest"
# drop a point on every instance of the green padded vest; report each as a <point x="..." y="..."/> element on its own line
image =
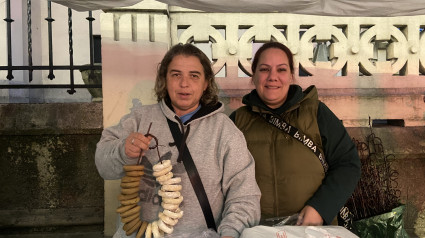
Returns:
<point x="287" y="172"/>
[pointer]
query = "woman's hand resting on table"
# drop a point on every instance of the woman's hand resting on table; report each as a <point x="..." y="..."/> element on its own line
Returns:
<point x="309" y="217"/>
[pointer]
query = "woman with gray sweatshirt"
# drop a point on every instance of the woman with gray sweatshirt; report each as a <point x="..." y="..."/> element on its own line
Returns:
<point x="187" y="99"/>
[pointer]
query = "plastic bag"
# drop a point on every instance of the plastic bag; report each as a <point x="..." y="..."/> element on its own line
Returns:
<point x="297" y="232"/>
<point x="387" y="225"/>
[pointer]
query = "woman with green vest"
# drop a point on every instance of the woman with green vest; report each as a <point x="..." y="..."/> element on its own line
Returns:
<point x="305" y="161"/>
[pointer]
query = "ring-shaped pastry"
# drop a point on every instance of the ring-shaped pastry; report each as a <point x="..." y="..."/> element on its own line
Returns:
<point x="164" y="227"/>
<point x="174" y="215"/>
<point x="169" y="206"/>
<point x="168" y="194"/>
<point x="164" y="177"/>
<point x="160" y="166"/>
<point x="167" y="220"/>
<point x="171" y="187"/>
<point x="162" y="172"/>
<point x="173" y="200"/>
<point x="155" y="230"/>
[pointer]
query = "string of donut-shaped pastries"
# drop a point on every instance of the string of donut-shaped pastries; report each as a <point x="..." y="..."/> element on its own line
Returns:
<point x="129" y="198"/>
<point x="171" y="199"/>
<point x="129" y="209"/>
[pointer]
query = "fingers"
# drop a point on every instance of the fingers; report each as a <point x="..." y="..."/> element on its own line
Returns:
<point x="301" y="217"/>
<point x="299" y="220"/>
<point x="136" y="144"/>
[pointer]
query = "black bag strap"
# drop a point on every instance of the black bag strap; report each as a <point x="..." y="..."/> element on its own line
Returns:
<point x="282" y="125"/>
<point x="193" y="174"/>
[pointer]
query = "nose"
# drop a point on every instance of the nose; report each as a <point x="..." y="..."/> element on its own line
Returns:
<point x="272" y="74"/>
<point x="184" y="82"/>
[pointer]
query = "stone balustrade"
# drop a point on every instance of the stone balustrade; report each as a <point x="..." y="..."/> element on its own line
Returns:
<point x="360" y="61"/>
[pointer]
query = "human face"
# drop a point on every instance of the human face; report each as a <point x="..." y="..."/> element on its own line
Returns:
<point x="185" y="83"/>
<point x="272" y="77"/>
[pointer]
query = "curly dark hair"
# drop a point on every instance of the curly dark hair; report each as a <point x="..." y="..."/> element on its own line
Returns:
<point x="210" y="95"/>
<point x="276" y="45"/>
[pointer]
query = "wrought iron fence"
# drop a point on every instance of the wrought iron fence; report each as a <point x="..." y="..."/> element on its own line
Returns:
<point x="50" y="67"/>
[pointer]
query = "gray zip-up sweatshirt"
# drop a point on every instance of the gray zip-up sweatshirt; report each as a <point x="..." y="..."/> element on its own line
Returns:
<point x="219" y="152"/>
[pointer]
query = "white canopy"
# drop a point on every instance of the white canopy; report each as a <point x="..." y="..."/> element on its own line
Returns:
<point x="369" y="8"/>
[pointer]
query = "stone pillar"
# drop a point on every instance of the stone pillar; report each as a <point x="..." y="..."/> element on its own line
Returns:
<point x="134" y="40"/>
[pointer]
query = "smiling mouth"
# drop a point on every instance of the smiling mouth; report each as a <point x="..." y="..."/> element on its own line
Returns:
<point x="272" y="87"/>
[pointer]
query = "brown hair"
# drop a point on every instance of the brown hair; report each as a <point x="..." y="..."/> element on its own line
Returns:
<point x="209" y="97"/>
<point x="276" y="45"/>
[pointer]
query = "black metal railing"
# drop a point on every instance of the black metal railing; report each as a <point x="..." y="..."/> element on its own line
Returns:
<point x="51" y="67"/>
